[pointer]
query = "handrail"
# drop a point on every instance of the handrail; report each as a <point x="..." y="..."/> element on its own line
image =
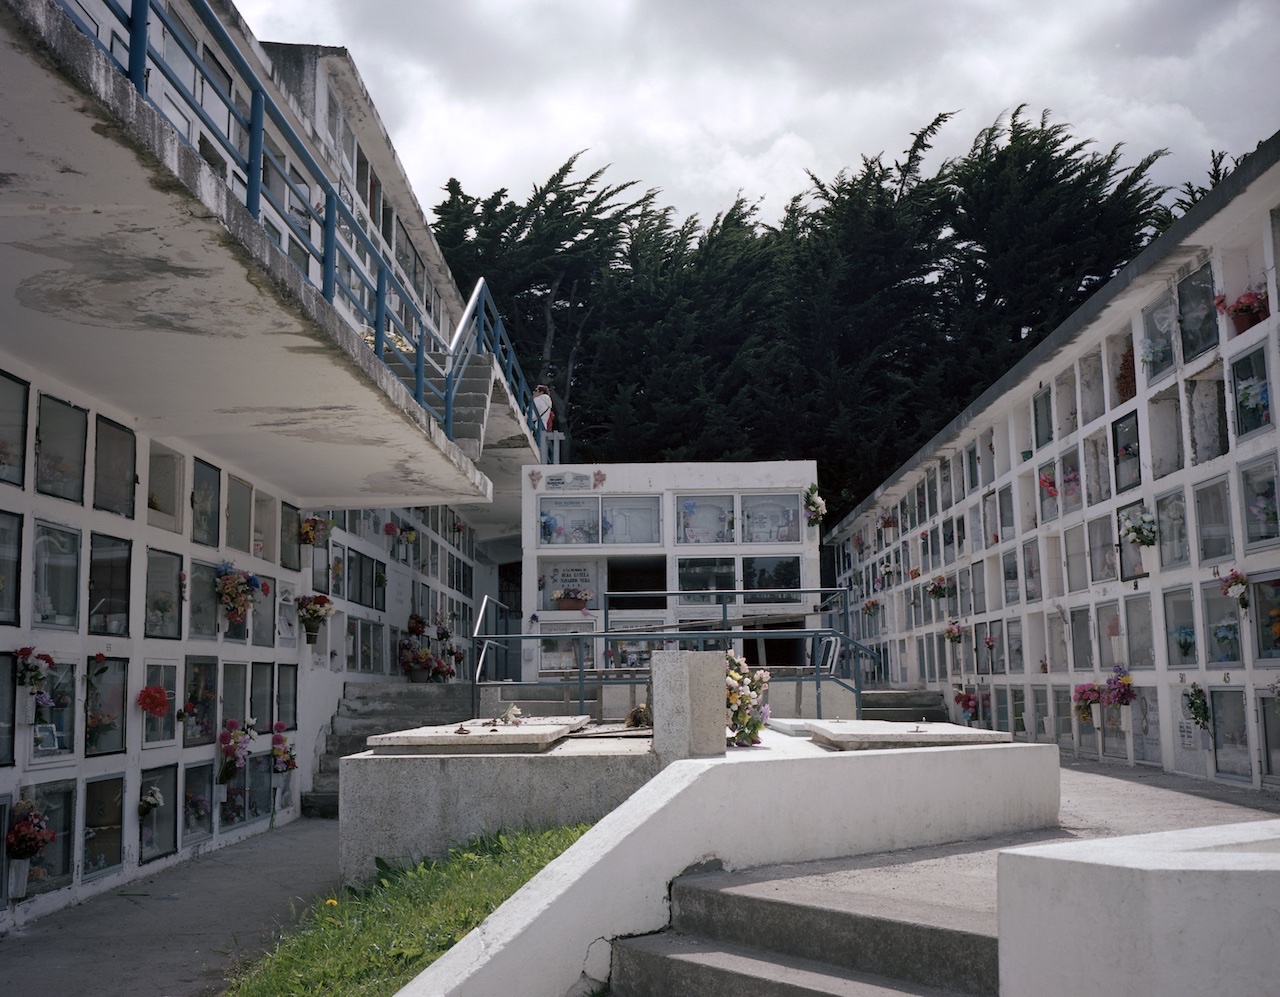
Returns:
<point x="481" y="329"/>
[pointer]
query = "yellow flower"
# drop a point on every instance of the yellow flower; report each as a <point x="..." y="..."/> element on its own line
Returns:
<point x="331" y="902"/>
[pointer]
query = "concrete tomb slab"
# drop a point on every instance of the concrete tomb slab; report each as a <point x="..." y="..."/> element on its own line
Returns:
<point x="866" y="735"/>
<point x="487" y="736"/>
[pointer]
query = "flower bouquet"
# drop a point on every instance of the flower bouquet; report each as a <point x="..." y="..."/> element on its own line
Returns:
<point x="283" y="758"/>
<point x="32" y="668"/>
<point x="1086" y="696"/>
<point x="150" y="800"/>
<point x="312" y="611"/>
<point x="1141" y="531"/>
<point x="571" y="598"/>
<point x="195" y="808"/>
<point x="233" y="746"/>
<point x="1236" y="586"/>
<point x="871" y="607"/>
<point x="1048" y="485"/>
<point x="1247" y="310"/>
<point x="953" y="632"/>
<point x="315" y="530"/>
<point x="989" y="642"/>
<point x="235" y="589"/>
<point x="1119" y="688"/>
<point x="814" y="507"/>
<point x="968" y="703"/>
<point x="939" y="588"/>
<point x="153" y="700"/>
<point x="744" y="701"/>
<point x="30" y="832"/>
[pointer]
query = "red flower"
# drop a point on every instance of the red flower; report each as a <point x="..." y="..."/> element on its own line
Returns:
<point x="154" y="701"/>
<point x="99" y="658"/>
<point x="266" y="588"/>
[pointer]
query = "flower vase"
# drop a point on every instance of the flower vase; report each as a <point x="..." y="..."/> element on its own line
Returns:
<point x="1028" y="722"/>
<point x="1095" y="714"/>
<point x="26" y="708"/>
<point x="1244" y="321"/>
<point x="1126" y="718"/>
<point x="19" y="872"/>
<point x="420" y="675"/>
<point x="312" y="630"/>
<point x="1046" y="723"/>
<point x="144" y="809"/>
<point x="1117" y="648"/>
<point x="219" y="792"/>
<point x="571" y="603"/>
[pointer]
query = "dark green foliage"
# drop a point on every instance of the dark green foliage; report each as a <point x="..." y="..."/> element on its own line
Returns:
<point x="882" y="303"/>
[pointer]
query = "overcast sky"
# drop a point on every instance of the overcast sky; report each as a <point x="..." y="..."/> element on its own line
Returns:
<point x="704" y="99"/>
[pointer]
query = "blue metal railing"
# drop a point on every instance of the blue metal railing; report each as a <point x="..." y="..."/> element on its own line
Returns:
<point x="405" y="339"/>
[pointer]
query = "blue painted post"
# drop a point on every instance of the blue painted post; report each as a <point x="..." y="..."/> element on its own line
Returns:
<point x="257" y="121"/>
<point x="380" y="312"/>
<point x="448" y="400"/>
<point x="330" y="261"/>
<point x="420" y="363"/>
<point x="138" y="14"/>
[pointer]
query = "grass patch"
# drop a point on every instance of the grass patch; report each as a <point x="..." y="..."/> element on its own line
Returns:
<point x="374" y="940"/>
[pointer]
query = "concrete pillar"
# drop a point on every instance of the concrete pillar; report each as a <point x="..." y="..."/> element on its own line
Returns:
<point x="688" y="705"/>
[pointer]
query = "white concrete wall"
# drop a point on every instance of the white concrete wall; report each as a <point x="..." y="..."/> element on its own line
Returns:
<point x="402" y="808"/>
<point x="787" y="801"/>
<point x="1179" y="914"/>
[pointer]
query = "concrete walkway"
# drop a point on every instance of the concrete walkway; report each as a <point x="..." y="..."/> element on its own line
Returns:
<point x="180" y="932"/>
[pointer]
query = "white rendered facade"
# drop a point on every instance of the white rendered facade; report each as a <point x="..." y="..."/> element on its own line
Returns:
<point x="682" y="528"/>
<point x="1148" y="398"/>
<point x="174" y="395"/>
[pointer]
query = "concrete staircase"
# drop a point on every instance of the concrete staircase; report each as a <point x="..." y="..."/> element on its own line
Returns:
<point x="471" y="402"/>
<point x="906" y="705"/>
<point x="726" y="940"/>
<point x="379" y="708"/>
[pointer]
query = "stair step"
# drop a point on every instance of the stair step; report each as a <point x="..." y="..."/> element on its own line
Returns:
<point x="920" y="941"/>
<point x="324" y="805"/>
<point x="326" y="782"/>
<point x="670" y="963"/>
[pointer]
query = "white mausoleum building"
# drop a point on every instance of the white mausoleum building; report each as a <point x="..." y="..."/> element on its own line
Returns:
<point x="222" y="314"/>
<point x="1007" y="524"/>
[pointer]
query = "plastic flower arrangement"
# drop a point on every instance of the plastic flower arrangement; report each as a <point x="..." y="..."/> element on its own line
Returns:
<point x="1141" y="531"/>
<point x="1236" y="586"/>
<point x="153" y="700"/>
<point x="585" y="595"/>
<point x="416" y="654"/>
<point x="315" y="530"/>
<point x="1197" y="704"/>
<point x="195" y="807"/>
<point x="859" y="543"/>
<point x="390" y="529"/>
<point x="814" y="506"/>
<point x="283" y="758"/>
<point x="888" y="521"/>
<point x="968" y="703"/>
<point x="233" y="747"/>
<point x="939" y="588"/>
<point x="152" y="799"/>
<point x="1086" y="695"/>
<point x="746" y="710"/>
<point x="1119" y="688"/>
<point x="235" y="589"/>
<point x="989" y="642"/>
<point x="32" y="668"/>
<point x="100" y="722"/>
<point x="1250" y="303"/>
<point x="315" y="608"/>
<point x="443" y="621"/>
<point x="30" y="832"/>
<point x="1048" y="485"/>
<point x="1151" y="351"/>
<point x="953" y="632"/>
<point x="914" y="573"/>
<point x="871" y="607"/>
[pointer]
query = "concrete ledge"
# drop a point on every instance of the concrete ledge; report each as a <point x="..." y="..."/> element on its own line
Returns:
<point x="477" y="736"/>
<point x="406" y="807"/>
<point x="864" y="735"/>
<point x="1175" y="913"/>
<point x="785" y="801"/>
